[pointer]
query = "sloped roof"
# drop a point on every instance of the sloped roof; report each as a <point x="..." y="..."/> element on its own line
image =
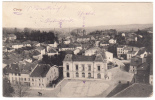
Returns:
<point x="135" y="61"/>
<point x="52" y="51"/>
<point x="41" y="70"/>
<point x="13" y="68"/>
<point x="141" y="51"/>
<point x="40" y="48"/>
<point x="136" y="90"/>
<point x="132" y="52"/>
<point x="66" y="46"/>
<point x="36" y="53"/>
<point x="143" y="66"/>
<point x="68" y="57"/>
<point x="28" y="67"/>
<point x="83" y="58"/>
<point x="120" y="46"/>
<point x="99" y="58"/>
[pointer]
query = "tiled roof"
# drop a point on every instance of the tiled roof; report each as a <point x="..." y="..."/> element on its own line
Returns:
<point x="141" y="51"/>
<point x="40" y="48"/>
<point x="13" y="68"/>
<point x="83" y="58"/>
<point x="52" y="51"/>
<point x="28" y="67"/>
<point x="135" y="61"/>
<point x="85" y="36"/>
<point x="143" y="66"/>
<point x="136" y="90"/>
<point x="132" y="52"/>
<point x="36" y="53"/>
<point x="41" y="70"/>
<point x="120" y="46"/>
<point x="66" y="46"/>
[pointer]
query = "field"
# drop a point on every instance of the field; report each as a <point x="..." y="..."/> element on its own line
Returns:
<point x="82" y="88"/>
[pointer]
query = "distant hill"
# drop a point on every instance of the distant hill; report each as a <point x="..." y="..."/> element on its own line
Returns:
<point x="130" y="27"/>
<point x="133" y="27"/>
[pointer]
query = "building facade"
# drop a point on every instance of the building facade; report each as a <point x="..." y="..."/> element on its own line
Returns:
<point x="84" y="67"/>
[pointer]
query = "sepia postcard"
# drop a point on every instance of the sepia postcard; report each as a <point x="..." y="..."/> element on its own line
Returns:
<point x="77" y="49"/>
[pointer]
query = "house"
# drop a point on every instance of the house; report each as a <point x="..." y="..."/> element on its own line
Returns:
<point x="43" y="75"/>
<point x="136" y="90"/>
<point x="41" y="49"/>
<point x="76" y="51"/>
<point x="54" y="44"/>
<point x="109" y="56"/>
<point x="130" y="54"/>
<point x="135" y="62"/>
<point x="84" y="38"/>
<point x="85" y="67"/>
<point x="20" y="74"/>
<point x="35" y="43"/>
<point x="64" y="47"/>
<point x="37" y="55"/>
<point x="92" y="51"/>
<point x="27" y="43"/>
<point x="112" y="41"/>
<point x="103" y="43"/>
<point x="97" y="43"/>
<point x="17" y="45"/>
<point x="95" y="50"/>
<point x="11" y="37"/>
<point x="142" y="75"/>
<point x="151" y="75"/>
<point x="129" y="51"/>
<point x="142" y="53"/>
<point x="67" y="41"/>
<point x="123" y="34"/>
<point x="52" y="52"/>
<point x="27" y="59"/>
<point x="131" y="37"/>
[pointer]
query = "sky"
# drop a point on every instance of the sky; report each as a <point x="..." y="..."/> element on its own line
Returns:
<point x="64" y="15"/>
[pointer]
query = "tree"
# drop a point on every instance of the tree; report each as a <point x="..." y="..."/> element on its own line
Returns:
<point x="7" y="89"/>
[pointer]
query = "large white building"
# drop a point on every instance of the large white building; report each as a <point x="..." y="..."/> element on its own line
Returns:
<point x="86" y="67"/>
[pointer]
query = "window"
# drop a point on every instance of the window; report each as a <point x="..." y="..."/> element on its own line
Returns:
<point x="67" y="67"/>
<point x="43" y="84"/>
<point x="83" y="74"/>
<point x="77" y="74"/>
<point x="25" y="79"/>
<point x="83" y="67"/>
<point x="89" y="67"/>
<point x="76" y="67"/>
<point x="32" y="79"/>
<point x="67" y="74"/>
<point x="98" y="67"/>
<point x="89" y="75"/>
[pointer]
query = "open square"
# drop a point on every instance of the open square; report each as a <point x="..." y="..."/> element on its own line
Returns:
<point x="81" y="88"/>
